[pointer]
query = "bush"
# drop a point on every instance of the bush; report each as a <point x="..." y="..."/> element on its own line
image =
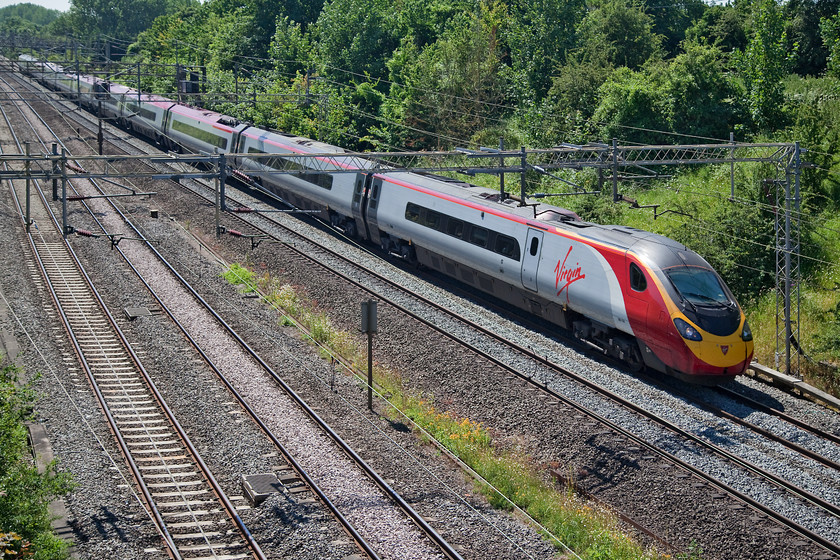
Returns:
<point x="25" y="494"/>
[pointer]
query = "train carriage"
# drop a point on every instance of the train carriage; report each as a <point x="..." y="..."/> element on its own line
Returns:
<point x="330" y="193"/>
<point x="145" y="114"/>
<point x="200" y="130"/>
<point x="632" y="294"/>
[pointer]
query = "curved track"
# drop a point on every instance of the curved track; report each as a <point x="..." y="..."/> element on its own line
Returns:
<point x="440" y="544"/>
<point x="195" y="517"/>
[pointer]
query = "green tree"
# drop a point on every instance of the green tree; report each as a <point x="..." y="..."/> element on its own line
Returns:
<point x="830" y="33"/>
<point x="698" y="96"/>
<point x="28" y="19"/>
<point x="38" y="15"/>
<point x="764" y="64"/>
<point x="689" y="95"/>
<point x="120" y="19"/>
<point x="354" y="38"/>
<point x="539" y="35"/>
<point x="565" y="115"/>
<point x="16" y="24"/>
<point x="620" y="33"/>
<point x="721" y="27"/>
<point x="25" y="494"/>
<point x="629" y="108"/>
<point x="290" y="49"/>
<point x="803" y="17"/>
<point x="671" y="19"/>
<point x="452" y="88"/>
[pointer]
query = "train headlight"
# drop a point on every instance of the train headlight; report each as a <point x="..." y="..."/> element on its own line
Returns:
<point x="687" y="331"/>
<point x="746" y="334"/>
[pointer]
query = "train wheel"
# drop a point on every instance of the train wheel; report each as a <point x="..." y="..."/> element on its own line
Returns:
<point x="634" y="359"/>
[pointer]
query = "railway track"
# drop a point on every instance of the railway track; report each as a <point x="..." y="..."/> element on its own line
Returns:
<point x="490" y="350"/>
<point x="807" y="498"/>
<point x="195" y="517"/>
<point x="542" y="384"/>
<point x="440" y="546"/>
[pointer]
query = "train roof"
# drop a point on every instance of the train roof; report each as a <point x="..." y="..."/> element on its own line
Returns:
<point x="653" y="247"/>
<point x="207" y="116"/>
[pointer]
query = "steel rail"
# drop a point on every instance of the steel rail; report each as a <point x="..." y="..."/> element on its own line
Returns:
<point x="829" y="545"/>
<point x="150" y="502"/>
<point x="441" y="543"/>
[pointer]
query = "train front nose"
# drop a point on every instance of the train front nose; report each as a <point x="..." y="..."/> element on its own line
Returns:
<point x="711" y="354"/>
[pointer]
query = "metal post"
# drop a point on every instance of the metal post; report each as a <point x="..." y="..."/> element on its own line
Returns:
<point x="99" y="137"/>
<point x="370" y="370"/>
<point x="64" y="193"/>
<point x="222" y="181"/>
<point x="615" y="171"/>
<point x="732" y="169"/>
<point x="523" y="163"/>
<point x="502" y="194"/>
<point x="369" y="326"/>
<point x="55" y="171"/>
<point x="78" y="83"/>
<point x="28" y="208"/>
<point x="796" y="275"/>
<point x="787" y="280"/>
<point x="218" y="228"/>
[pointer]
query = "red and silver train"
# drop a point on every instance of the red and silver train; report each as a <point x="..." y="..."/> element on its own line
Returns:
<point x="634" y="295"/>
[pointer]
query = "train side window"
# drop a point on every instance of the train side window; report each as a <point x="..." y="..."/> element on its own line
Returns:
<point x="357" y="196"/>
<point x="432" y="219"/>
<point x="507" y="247"/>
<point x="412" y="212"/>
<point x="535" y="245"/>
<point x="637" y="278"/>
<point x="323" y="180"/>
<point x="478" y="236"/>
<point x="374" y="197"/>
<point x="455" y="228"/>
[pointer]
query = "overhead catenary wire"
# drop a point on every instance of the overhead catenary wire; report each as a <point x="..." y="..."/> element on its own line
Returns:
<point x="433" y="134"/>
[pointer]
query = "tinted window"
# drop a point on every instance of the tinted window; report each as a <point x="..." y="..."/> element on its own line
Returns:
<point x="432" y="219"/>
<point x="323" y="180"/>
<point x="535" y="245"/>
<point x="412" y="212"/>
<point x="478" y="236"/>
<point x="637" y="278"/>
<point x="455" y="228"/>
<point x="200" y="134"/>
<point x="507" y="246"/>
<point x="501" y="244"/>
<point x="357" y="196"/>
<point x="698" y="285"/>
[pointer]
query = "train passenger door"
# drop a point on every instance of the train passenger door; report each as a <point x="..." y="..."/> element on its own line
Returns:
<point x="359" y="194"/>
<point x="531" y="259"/>
<point x="370" y="210"/>
<point x="637" y="297"/>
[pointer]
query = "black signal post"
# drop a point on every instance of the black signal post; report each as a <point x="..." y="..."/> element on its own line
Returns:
<point x="369" y="326"/>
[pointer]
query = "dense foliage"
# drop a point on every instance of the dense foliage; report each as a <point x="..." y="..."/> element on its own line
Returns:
<point x="25" y="493"/>
<point x="29" y="19"/>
